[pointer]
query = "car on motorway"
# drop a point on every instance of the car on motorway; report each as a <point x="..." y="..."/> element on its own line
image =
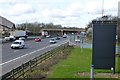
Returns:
<point x="22" y="38"/>
<point x="64" y="36"/>
<point x="57" y="38"/>
<point x="18" y="44"/>
<point x="48" y="36"/>
<point x="37" y="39"/>
<point x="52" y="40"/>
<point x="11" y="38"/>
<point x="77" y="40"/>
<point x="7" y="38"/>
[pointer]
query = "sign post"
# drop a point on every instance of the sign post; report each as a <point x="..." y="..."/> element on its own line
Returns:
<point x="92" y="72"/>
<point x="82" y="35"/>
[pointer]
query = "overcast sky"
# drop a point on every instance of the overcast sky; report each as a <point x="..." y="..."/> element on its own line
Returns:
<point x="74" y="13"/>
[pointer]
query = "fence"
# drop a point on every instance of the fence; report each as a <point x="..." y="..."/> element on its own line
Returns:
<point x="20" y="71"/>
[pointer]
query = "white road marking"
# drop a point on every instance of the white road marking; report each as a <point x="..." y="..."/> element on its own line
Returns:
<point x="24" y="55"/>
<point x="16" y="51"/>
<point x="33" y="52"/>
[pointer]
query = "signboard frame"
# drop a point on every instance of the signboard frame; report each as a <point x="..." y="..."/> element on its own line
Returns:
<point x="104" y="42"/>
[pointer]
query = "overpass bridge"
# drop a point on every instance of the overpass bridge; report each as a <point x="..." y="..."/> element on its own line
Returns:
<point x="62" y="31"/>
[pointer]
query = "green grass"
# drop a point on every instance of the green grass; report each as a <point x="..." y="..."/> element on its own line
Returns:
<point x="118" y="44"/>
<point x="77" y="61"/>
<point x="117" y="67"/>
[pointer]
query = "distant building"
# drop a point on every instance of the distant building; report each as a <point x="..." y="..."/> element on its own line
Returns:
<point x="6" y="25"/>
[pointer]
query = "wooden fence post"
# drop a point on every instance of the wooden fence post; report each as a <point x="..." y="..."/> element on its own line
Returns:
<point x="30" y="63"/>
<point x="45" y="56"/>
<point x="13" y="74"/>
<point x="23" y="71"/>
<point x="36" y="60"/>
<point x="51" y="53"/>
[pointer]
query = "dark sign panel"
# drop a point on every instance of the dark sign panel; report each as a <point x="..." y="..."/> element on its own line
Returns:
<point x="104" y="41"/>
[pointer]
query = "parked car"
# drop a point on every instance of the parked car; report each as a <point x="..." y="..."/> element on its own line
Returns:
<point x="18" y="44"/>
<point x="52" y="41"/>
<point x="37" y="39"/>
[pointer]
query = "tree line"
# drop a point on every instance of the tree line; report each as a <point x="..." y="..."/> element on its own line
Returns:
<point x="36" y="27"/>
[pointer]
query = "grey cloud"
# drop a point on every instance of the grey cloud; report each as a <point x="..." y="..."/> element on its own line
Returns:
<point x="21" y="9"/>
<point x="64" y="16"/>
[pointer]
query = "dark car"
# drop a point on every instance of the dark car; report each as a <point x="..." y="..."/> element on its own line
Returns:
<point x="57" y="38"/>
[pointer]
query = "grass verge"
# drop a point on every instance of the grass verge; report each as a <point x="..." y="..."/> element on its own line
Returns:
<point x="77" y="65"/>
<point x="78" y="61"/>
<point x="42" y="69"/>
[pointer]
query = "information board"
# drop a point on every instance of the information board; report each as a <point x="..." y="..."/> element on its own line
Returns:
<point x="104" y="41"/>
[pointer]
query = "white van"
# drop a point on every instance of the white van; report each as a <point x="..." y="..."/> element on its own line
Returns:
<point x="18" y="44"/>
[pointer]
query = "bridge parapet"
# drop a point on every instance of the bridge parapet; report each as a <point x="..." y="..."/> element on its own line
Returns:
<point x="62" y="29"/>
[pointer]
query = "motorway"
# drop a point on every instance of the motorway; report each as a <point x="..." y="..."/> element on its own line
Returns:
<point x="12" y="58"/>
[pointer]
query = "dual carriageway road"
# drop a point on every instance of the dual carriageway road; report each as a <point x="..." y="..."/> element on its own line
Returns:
<point x="12" y="58"/>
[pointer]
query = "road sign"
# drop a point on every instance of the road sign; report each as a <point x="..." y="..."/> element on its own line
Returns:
<point x="82" y="36"/>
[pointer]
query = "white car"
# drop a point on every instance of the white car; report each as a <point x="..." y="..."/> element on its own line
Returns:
<point x="18" y="44"/>
<point x="22" y="38"/>
<point x="12" y="37"/>
<point x="52" y="41"/>
<point x="77" y="40"/>
<point x="7" y="38"/>
<point x="47" y="36"/>
<point x="64" y="36"/>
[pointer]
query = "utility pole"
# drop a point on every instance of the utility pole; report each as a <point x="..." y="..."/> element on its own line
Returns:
<point x="26" y="26"/>
<point x="102" y="8"/>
